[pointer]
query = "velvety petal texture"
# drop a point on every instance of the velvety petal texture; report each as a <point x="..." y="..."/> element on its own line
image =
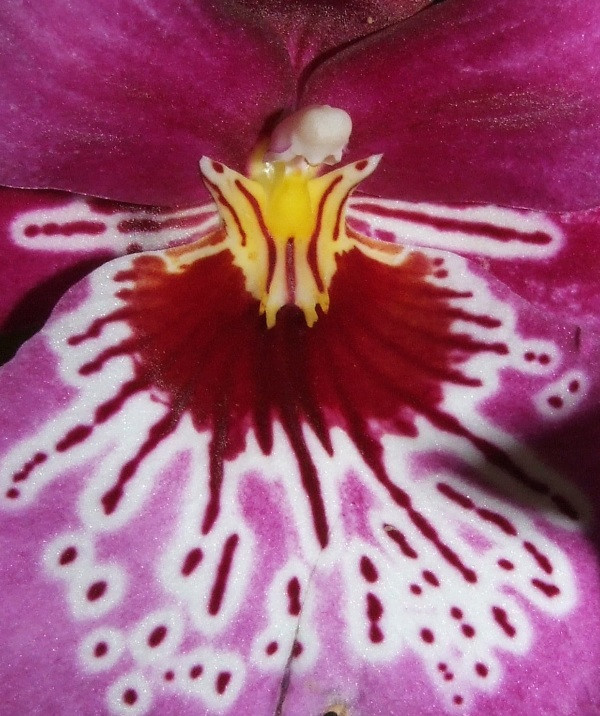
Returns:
<point x="121" y="99"/>
<point x="386" y="508"/>
<point x="477" y="100"/>
<point x="309" y="28"/>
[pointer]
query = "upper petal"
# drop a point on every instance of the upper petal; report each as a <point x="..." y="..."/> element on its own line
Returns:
<point x="477" y="101"/>
<point x="120" y="99"/>
<point x="308" y="28"/>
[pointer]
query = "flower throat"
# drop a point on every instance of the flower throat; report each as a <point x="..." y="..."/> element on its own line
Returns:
<point x="284" y="223"/>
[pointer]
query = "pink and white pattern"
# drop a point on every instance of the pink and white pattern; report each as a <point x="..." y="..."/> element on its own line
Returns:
<point x="448" y="554"/>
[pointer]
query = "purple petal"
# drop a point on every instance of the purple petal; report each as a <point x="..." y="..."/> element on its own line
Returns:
<point x="474" y="101"/>
<point x="121" y="99"/>
<point x="309" y="28"/>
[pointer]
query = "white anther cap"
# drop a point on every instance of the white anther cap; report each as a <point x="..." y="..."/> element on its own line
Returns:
<point x="318" y="134"/>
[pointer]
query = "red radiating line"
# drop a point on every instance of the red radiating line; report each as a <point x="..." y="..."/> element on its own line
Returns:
<point x="293" y="592"/>
<point x="540" y="558"/>
<point x="397" y="537"/>
<point x="129" y="226"/>
<point x="70" y="228"/>
<point x="311" y="255"/>
<point x="218" y="591"/>
<point x="223" y="201"/>
<point x="264" y="230"/>
<point x="473" y="228"/>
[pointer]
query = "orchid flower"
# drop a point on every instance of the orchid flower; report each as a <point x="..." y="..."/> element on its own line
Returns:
<point x="316" y="432"/>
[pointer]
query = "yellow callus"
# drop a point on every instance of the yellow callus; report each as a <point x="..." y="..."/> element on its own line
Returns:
<point x="285" y="227"/>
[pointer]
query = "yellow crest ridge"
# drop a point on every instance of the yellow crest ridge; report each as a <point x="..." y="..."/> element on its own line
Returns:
<point x="285" y="227"/>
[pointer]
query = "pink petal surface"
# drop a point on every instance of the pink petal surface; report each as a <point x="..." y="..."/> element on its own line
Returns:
<point x="477" y="101"/>
<point x="121" y="99"/>
<point x="59" y="544"/>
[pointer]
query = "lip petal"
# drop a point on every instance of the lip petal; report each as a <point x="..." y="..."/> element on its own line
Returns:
<point x="407" y="458"/>
<point x="477" y="101"/>
<point x="120" y="99"/>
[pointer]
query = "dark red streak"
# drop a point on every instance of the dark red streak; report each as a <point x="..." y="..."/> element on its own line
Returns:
<point x="77" y="435"/>
<point x="223" y="202"/>
<point x="540" y="558"/>
<point x="90" y="228"/>
<point x="191" y="561"/>
<point x="506" y="564"/>
<point x="96" y="591"/>
<point x="218" y="591"/>
<point x="455" y="496"/>
<point x="550" y="590"/>
<point x="313" y="244"/>
<point x="293" y="593"/>
<point x="498" y="520"/>
<point x="157" y="636"/>
<point x="28" y="467"/>
<point x="69" y="555"/>
<point x="427" y="636"/>
<point x="156" y="435"/>
<point x="101" y="649"/>
<point x="430" y="578"/>
<point x="488" y="515"/>
<point x="368" y="570"/>
<point x="263" y="227"/>
<point x="338" y="218"/>
<point x="374" y="614"/>
<point x="397" y="537"/>
<point x="96" y="327"/>
<point x="473" y="228"/>
<point x="501" y="618"/>
<point x="129" y="226"/>
<point x="222" y="682"/>
<point x="290" y="270"/>
<point x="216" y="468"/>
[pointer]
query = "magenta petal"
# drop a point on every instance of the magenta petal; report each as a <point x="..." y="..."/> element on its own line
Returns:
<point x="120" y="99"/>
<point x="477" y="101"/>
<point x="33" y="280"/>
<point x="309" y="28"/>
<point x="49" y="240"/>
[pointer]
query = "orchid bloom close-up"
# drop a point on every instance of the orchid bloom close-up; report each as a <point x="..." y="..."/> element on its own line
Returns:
<point x="300" y="322"/>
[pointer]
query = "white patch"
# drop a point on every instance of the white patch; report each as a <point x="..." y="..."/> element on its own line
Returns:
<point x="424" y="602"/>
<point x="278" y="643"/>
<point x="82" y="226"/>
<point x="493" y="231"/>
<point x="210" y="608"/>
<point x="561" y="398"/>
<point x="214" y="675"/>
<point x="101" y="649"/>
<point x="156" y="637"/>
<point x="129" y="695"/>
